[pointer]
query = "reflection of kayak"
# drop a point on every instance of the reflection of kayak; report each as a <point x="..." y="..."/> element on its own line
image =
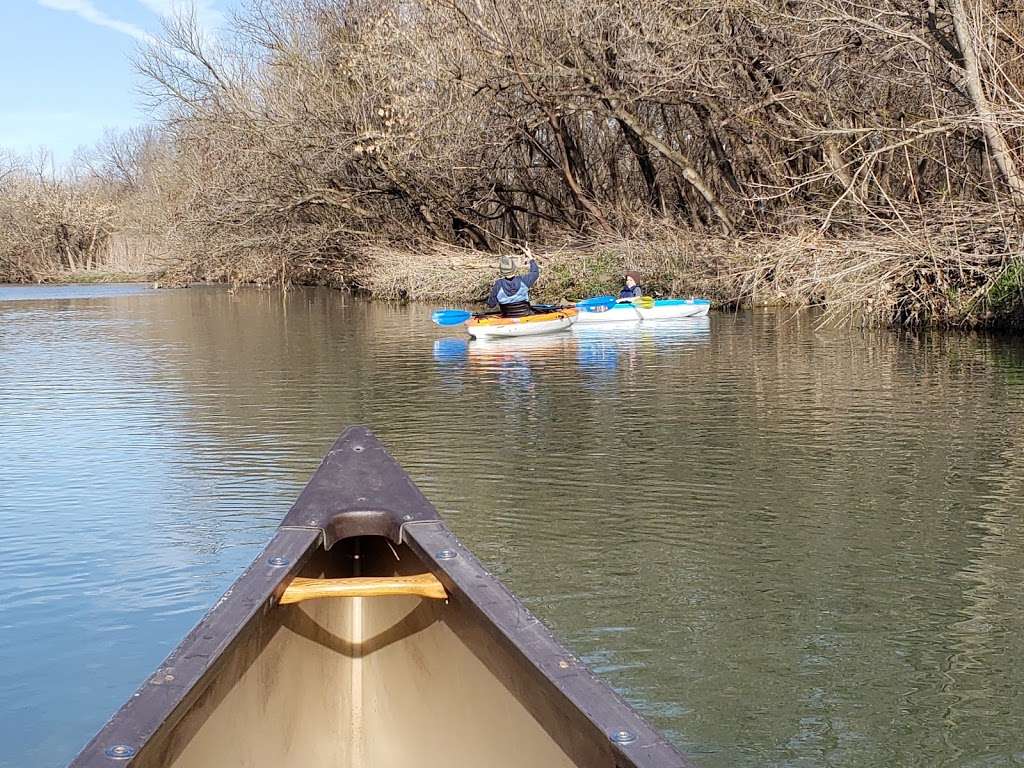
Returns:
<point x="513" y="359"/>
<point x="663" y="309"/>
<point x="531" y="325"/>
<point x="530" y="346"/>
<point x="367" y="634"/>
<point x="630" y="334"/>
<point x="607" y="326"/>
<point x="601" y="348"/>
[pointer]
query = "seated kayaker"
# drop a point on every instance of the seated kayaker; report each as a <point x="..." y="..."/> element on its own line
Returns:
<point x="511" y="292"/>
<point x="632" y="289"/>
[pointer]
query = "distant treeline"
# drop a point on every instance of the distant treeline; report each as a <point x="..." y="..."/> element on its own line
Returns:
<point x="108" y="212"/>
<point x="313" y="132"/>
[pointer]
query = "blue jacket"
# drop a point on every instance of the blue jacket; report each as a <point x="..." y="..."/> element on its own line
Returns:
<point x="508" y="290"/>
<point x="631" y="293"/>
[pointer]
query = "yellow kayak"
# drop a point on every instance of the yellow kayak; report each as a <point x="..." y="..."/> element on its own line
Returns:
<point x="529" y="325"/>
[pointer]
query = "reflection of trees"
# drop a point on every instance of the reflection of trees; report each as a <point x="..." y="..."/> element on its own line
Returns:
<point x="787" y="531"/>
<point x="781" y="518"/>
<point x="992" y="626"/>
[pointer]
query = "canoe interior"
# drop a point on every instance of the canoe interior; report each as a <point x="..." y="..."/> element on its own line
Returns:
<point x="475" y="680"/>
<point x="373" y="682"/>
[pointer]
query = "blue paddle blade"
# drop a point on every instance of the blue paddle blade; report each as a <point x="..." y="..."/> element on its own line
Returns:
<point x="595" y="302"/>
<point x="450" y="316"/>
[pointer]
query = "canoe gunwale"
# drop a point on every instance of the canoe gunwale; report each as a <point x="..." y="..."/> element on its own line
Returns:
<point x="359" y="490"/>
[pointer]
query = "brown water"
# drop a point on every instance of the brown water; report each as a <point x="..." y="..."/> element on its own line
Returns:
<point x="786" y="546"/>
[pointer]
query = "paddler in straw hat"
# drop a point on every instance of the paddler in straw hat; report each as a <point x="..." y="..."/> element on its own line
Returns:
<point x="511" y="292"/>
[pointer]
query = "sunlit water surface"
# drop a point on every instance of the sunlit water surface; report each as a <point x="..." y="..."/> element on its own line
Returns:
<point x="786" y="546"/>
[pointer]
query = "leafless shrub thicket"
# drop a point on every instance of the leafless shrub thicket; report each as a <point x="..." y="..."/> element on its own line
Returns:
<point x="325" y="130"/>
<point x="318" y="134"/>
<point x="107" y="212"/>
<point x="49" y="224"/>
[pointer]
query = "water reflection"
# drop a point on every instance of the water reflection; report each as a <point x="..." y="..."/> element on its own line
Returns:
<point x="600" y="352"/>
<point x="606" y="349"/>
<point x="451" y="355"/>
<point x="786" y="546"/>
<point x="663" y="334"/>
<point x="71" y="292"/>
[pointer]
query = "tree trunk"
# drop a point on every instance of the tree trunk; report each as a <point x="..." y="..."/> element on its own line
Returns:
<point x="1001" y="153"/>
<point x="643" y="159"/>
<point x="717" y="147"/>
<point x="692" y="176"/>
<point x="574" y="157"/>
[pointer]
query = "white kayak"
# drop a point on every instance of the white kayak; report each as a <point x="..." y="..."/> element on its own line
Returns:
<point x="663" y="309"/>
<point x="530" y="325"/>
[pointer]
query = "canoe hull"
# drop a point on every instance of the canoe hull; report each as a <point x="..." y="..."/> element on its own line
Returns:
<point x="532" y="325"/>
<point x="663" y="309"/>
<point x="372" y="681"/>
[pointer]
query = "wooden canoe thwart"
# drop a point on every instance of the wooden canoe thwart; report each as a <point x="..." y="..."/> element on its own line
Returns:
<point x="421" y="585"/>
<point x="273" y="677"/>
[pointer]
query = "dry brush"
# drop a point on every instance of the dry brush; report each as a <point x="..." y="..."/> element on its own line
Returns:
<point x="863" y="155"/>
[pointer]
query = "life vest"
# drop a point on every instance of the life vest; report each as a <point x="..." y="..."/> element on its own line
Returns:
<point x="521" y="293"/>
<point x="515" y="308"/>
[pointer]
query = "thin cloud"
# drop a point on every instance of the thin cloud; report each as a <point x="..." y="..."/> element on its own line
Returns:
<point x="86" y="10"/>
<point x="206" y="13"/>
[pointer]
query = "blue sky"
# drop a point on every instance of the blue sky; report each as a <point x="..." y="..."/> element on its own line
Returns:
<point x="65" y="70"/>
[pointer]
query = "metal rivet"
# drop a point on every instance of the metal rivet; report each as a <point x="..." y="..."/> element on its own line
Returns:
<point x="407" y="517"/>
<point x="623" y="737"/>
<point x="278" y="562"/>
<point x="357" y="448"/>
<point x="446" y="554"/>
<point x="120" y="751"/>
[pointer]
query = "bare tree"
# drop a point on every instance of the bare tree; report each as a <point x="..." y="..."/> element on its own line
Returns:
<point x="313" y="130"/>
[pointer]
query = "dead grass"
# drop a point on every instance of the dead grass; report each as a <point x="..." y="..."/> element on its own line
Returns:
<point x="932" y="270"/>
<point x="938" y="267"/>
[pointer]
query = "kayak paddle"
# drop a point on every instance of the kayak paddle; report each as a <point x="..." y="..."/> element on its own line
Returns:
<point x="450" y="316"/>
<point x="643" y="302"/>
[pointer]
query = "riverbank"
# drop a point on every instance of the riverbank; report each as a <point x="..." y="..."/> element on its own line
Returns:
<point x="933" y="279"/>
<point x="89" y="276"/>
<point x="721" y="160"/>
<point x="967" y="276"/>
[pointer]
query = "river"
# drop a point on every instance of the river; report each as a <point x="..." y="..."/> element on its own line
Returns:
<point x="786" y="545"/>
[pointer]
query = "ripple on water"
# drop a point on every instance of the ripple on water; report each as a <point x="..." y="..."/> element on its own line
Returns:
<point x="785" y="546"/>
